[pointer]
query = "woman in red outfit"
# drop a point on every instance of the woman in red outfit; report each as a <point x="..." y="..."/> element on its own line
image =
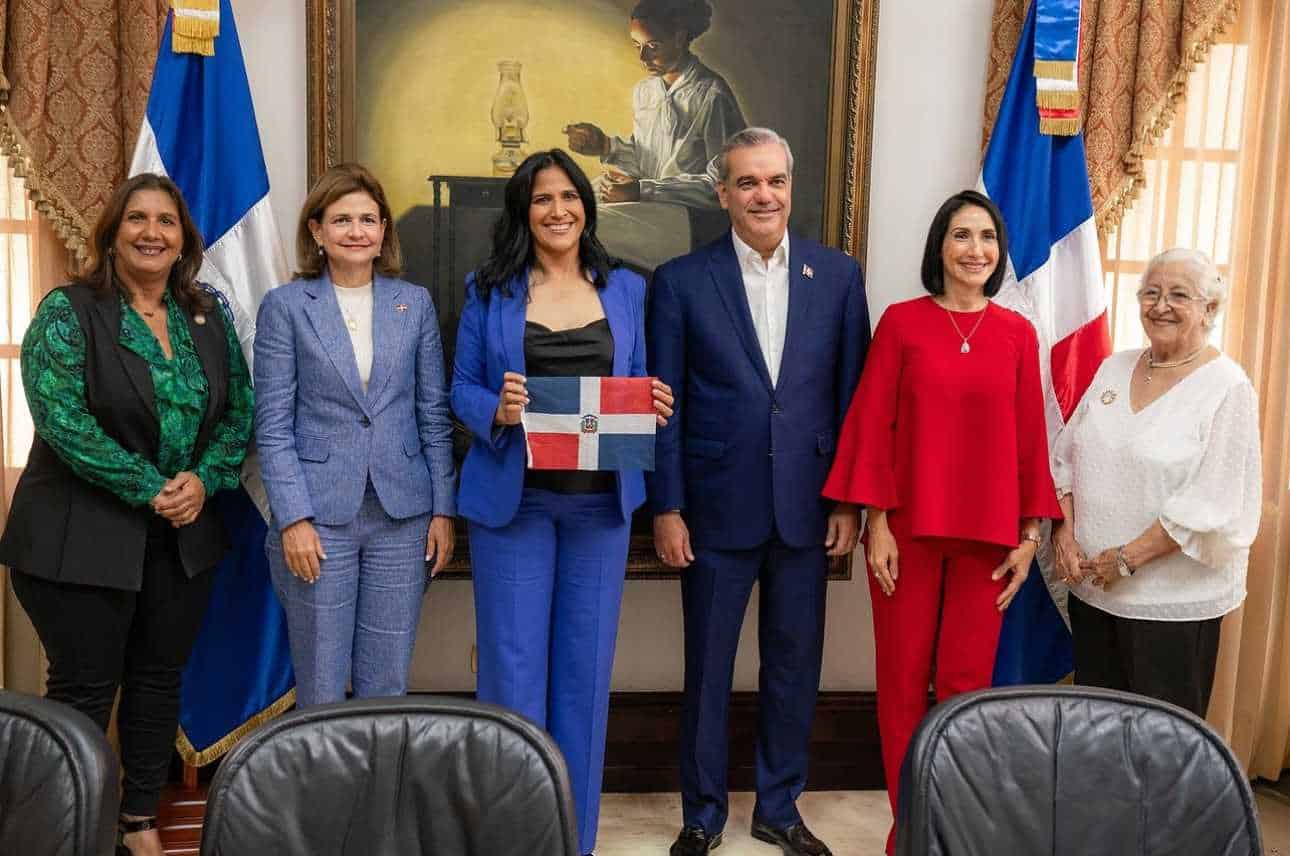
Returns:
<point x="945" y="445"/>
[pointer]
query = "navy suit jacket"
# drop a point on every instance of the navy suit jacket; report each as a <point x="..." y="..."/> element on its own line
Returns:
<point x="744" y="457"/>
<point x="490" y="342"/>
<point x="320" y="437"/>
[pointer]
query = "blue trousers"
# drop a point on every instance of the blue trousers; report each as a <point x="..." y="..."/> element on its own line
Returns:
<point x="714" y="595"/>
<point x="548" y="586"/>
<point x="358" y="623"/>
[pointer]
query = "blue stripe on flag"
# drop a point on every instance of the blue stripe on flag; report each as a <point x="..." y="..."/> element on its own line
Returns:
<point x="201" y="114"/>
<point x="626" y="452"/>
<point x="556" y="395"/>
<point x="1039" y="182"/>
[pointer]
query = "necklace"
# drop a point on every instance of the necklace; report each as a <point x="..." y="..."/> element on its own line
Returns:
<point x="1152" y="365"/>
<point x="965" y="348"/>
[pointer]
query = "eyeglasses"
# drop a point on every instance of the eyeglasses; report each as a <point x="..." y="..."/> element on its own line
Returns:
<point x="1173" y="299"/>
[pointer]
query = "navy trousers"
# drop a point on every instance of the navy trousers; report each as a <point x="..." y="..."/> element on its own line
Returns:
<point x="548" y="587"/>
<point x="715" y="591"/>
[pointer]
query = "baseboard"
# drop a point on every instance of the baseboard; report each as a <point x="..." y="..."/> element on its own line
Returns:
<point x="641" y="754"/>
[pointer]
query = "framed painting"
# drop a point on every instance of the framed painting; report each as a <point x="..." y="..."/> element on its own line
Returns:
<point x="442" y="98"/>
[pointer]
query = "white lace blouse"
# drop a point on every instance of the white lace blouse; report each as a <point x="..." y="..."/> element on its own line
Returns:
<point x="1190" y="459"/>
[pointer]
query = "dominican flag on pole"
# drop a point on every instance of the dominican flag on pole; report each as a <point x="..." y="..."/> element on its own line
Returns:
<point x="590" y="423"/>
<point x="200" y="130"/>
<point x="1040" y="182"/>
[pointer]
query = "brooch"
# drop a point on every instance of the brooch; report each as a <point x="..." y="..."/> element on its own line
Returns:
<point x="807" y="272"/>
<point x="199" y="318"/>
<point x="1108" y="396"/>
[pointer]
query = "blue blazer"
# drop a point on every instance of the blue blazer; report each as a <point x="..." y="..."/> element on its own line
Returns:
<point x="490" y="342"/>
<point x="744" y="457"/>
<point x="320" y="437"/>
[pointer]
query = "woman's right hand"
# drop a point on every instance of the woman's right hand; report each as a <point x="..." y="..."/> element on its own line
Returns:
<point x="514" y="398"/>
<point x="1068" y="553"/>
<point x="303" y="551"/>
<point x="881" y="551"/>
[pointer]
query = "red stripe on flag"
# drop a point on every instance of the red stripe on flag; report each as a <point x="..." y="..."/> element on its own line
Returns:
<point x="1058" y="113"/>
<point x="1075" y="359"/>
<point x="554" y="451"/>
<point x="626" y="395"/>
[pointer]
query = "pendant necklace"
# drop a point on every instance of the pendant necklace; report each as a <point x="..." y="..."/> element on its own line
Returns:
<point x="966" y="348"/>
<point x="1152" y="364"/>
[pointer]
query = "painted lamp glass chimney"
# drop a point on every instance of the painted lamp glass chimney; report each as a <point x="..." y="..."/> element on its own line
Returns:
<point x="510" y="116"/>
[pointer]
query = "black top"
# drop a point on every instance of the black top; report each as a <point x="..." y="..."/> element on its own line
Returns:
<point x="582" y="352"/>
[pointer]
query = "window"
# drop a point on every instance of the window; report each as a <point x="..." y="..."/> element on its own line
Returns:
<point x="19" y="242"/>
<point x="1190" y="196"/>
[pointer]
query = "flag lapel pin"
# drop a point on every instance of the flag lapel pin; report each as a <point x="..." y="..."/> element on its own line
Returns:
<point x="807" y="272"/>
<point x="401" y="307"/>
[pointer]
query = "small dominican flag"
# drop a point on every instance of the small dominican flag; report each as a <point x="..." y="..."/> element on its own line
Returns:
<point x="590" y="423"/>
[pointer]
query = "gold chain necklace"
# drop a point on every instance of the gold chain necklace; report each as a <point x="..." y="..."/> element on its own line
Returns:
<point x="966" y="348"/>
<point x="1152" y="365"/>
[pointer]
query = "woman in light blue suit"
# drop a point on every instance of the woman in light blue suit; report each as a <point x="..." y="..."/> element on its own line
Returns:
<point x="548" y="549"/>
<point x="355" y="443"/>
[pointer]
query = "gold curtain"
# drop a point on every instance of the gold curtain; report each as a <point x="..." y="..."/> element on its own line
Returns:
<point x="1251" y="702"/>
<point x="74" y="80"/>
<point x="1134" y="60"/>
<point x="33" y="260"/>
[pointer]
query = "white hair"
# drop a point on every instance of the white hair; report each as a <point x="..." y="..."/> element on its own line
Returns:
<point x="746" y="139"/>
<point x="1202" y="274"/>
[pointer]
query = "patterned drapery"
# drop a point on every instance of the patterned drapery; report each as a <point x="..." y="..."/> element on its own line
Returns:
<point x="1135" y="56"/>
<point x="74" y="86"/>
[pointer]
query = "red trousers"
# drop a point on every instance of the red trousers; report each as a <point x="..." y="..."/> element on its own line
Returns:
<point x="940" y="627"/>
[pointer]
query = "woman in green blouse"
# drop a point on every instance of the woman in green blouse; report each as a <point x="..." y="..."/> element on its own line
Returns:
<point x="142" y="406"/>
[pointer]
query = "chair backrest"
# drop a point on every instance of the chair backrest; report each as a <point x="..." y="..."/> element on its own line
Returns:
<point x="416" y="775"/>
<point x="1071" y="770"/>
<point x="58" y="780"/>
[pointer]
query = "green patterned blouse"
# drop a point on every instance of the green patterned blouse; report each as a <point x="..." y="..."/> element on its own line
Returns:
<point x="53" y="375"/>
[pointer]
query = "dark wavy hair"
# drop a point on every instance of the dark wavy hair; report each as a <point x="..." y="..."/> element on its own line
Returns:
<point x="933" y="270"/>
<point x="513" y="252"/>
<point x="99" y="274"/>
<point x="692" y="17"/>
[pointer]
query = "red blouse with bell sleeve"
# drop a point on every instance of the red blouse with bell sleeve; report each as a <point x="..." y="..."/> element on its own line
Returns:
<point x="956" y="442"/>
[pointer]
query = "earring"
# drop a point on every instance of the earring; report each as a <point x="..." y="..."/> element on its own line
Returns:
<point x="179" y="258"/>
<point x="321" y="251"/>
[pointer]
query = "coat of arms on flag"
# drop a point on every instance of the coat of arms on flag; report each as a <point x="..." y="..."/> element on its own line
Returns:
<point x="590" y="423"/>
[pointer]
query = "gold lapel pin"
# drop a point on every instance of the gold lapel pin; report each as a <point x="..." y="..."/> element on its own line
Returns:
<point x="807" y="272"/>
<point x="1108" y="396"/>
<point x="199" y="318"/>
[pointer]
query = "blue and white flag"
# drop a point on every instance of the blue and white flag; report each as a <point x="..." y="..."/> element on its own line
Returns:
<point x="590" y="423"/>
<point x="200" y="130"/>
<point x="1054" y="279"/>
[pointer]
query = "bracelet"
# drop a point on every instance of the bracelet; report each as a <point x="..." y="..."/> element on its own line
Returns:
<point x="1122" y="564"/>
<point x="1034" y="537"/>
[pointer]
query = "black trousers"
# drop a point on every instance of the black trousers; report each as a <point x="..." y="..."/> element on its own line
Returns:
<point x="1168" y="660"/>
<point x="99" y="639"/>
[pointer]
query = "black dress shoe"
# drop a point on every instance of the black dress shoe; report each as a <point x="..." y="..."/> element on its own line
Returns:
<point x="795" y="840"/>
<point x="693" y="841"/>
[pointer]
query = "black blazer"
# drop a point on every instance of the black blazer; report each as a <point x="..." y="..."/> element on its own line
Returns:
<point x="63" y="528"/>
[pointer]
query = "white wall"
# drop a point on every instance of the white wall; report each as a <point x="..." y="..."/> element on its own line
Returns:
<point x="931" y="84"/>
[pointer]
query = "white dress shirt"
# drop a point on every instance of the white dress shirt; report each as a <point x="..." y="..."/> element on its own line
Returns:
<point x="677" y="132"/>
<point x="766" y="284"/>
<point x="356" y="309"/>
<point x="1190" y="460"/>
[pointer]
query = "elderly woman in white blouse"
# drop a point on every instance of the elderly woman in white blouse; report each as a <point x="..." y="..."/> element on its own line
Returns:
<point x="1159" y="478"/>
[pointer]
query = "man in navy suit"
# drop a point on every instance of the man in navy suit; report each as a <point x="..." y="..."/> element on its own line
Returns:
<point x="762" y="337"/>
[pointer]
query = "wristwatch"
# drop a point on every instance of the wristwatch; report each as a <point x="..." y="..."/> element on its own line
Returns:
<point x="1034" y="537"/>
<point x="1122" y="564"/>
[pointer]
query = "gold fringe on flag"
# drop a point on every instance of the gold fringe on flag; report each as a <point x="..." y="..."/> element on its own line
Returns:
<point x="196" y="26"/>
<point x="1057" y="69"/>
<point x="1058" y="127"/>
<point x="1057" y="99"/>
<point x="216" y="750"/>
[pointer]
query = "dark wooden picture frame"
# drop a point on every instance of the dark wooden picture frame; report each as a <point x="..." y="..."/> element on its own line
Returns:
<point x="333" y="53"/>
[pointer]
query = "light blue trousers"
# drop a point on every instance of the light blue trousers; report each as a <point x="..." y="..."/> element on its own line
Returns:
<point x="548" y="587"/>
<point x="357" y="624"/>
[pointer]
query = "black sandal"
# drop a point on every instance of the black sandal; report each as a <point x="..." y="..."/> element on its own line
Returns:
<point x="128" y="827"/>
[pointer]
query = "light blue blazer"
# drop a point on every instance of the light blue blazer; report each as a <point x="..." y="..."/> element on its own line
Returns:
<point x="490" y="342"/>
<point x="320" y="437"/>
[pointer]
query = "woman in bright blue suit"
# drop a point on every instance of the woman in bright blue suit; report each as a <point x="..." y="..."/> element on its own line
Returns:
<point x="548" y="548"/>
<point x="355" y="443"/>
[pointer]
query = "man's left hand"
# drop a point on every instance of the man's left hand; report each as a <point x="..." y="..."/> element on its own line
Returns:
<point x="844" y="530"/>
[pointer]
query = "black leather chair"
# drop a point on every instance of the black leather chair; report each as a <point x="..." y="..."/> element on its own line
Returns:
<point x="1071" y="770"/>
<point x="58" y="780"/>
<point x="380" y="777"/>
